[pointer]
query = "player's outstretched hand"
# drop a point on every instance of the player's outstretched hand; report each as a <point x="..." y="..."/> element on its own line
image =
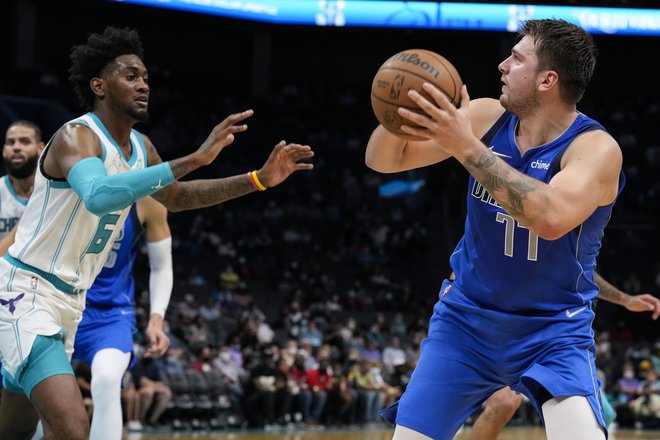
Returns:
<point x="158" y="341"/>
<point x="643" y="303"/>
<point x="221" y="136"/>
<point x="284" y="160"/>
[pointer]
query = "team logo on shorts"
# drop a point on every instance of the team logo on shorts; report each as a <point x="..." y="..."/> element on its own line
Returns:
<point x="11" y="303"/>
<point x="34" y="283"/>
<point x="446" y="291"/>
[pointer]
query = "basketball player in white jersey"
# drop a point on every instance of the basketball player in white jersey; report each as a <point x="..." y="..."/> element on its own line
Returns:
<point x="88" y="176"/>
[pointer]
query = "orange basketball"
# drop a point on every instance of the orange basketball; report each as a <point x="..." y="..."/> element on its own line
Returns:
<point x="409" y="70"/>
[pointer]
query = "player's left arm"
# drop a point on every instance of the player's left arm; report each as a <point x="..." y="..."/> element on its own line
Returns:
<point x="588" y="179"/>
<point x="284" y="160"/>
<point x="161" y="278"/>
<point x="644" y="302"/>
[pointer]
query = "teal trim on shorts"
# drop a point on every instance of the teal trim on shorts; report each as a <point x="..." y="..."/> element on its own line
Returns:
<point x="608" y="411"/>
<point x="9" y="384"/>
<point x="47" y="359"/>
<point x="51" y="278"/>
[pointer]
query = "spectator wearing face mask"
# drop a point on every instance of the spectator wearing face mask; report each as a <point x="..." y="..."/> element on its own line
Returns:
<point x="626" y="390"/>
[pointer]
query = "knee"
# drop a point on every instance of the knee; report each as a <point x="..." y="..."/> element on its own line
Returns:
<point x="106" y="383"/>
<point x="146" y="392"/>
<point x="163" y="391"/>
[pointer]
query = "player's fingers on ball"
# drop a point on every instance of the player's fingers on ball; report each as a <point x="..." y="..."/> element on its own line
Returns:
<point x="414" y="117"/>
<point x="438" y="96"/>
<point x="420" y="100"/>
<point x="465" y="96"/>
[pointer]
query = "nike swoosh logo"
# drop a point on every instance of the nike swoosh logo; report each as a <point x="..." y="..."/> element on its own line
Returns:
<point x="570" y="315"/>
<point x="498" y="154"/>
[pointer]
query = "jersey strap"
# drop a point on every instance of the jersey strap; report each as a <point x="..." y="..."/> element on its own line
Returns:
<point x="490" y="134"/>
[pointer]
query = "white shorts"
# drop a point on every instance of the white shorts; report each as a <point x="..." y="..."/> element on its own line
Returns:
<point x="31" y="306"/>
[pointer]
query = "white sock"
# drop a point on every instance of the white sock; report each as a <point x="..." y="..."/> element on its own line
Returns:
<point x="108" y="367"/>
<point x="571" y="418"/>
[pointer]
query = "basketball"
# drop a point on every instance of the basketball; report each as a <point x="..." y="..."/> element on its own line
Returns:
<point x="409" y="70"/>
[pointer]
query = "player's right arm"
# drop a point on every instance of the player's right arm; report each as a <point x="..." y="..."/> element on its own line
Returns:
<point x="635" y="303"/>
<point x="388" y="153"/>
<point x="75" y="154"/>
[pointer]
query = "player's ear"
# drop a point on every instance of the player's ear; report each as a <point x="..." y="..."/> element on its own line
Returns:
<point x="549" y="79"/>
<point x="98" y="86"/>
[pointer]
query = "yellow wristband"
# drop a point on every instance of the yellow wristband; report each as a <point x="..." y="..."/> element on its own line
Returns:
<point x="258" y="182"/>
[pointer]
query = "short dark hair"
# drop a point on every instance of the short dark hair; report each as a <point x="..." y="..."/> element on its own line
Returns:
<point x="28" y="124"/>
<point x="89" y="59"/>
<point x="566" y="48"/>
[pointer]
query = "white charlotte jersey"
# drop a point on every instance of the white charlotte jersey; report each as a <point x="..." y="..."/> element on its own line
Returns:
<point x="58" y="238"/>
<point x="11" y="206"/>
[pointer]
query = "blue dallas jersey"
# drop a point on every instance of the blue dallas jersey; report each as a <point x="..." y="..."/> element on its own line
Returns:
<point x="500" y="264"/>
<point x="114" y="286"/>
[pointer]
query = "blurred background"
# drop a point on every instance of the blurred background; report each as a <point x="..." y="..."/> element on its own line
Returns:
<point x="324" y="267"/>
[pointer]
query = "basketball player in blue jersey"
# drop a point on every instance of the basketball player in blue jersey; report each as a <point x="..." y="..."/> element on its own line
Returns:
<point x="104" y="337"/>
<point x="543" y="179"/>
<point x="89" y="175"/>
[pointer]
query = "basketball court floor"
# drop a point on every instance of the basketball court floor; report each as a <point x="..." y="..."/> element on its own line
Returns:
<point x="516" y="433"/>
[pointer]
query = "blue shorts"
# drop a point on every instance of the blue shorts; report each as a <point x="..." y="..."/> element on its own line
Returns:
<point x="104" y="328"/>
<point x="471" y="352"/>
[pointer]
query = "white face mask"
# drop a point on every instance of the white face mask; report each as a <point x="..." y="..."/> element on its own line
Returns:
<point x="628" y="374"/>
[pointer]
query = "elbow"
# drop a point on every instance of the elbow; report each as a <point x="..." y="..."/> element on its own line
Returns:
<point x="93" y="205"/>
<point x="172" y="207"/>
<point x="379" y="167"/>
<point x="106" y="200"/>
<point x="369" y="162"/>
<point x="549" y="229"/>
